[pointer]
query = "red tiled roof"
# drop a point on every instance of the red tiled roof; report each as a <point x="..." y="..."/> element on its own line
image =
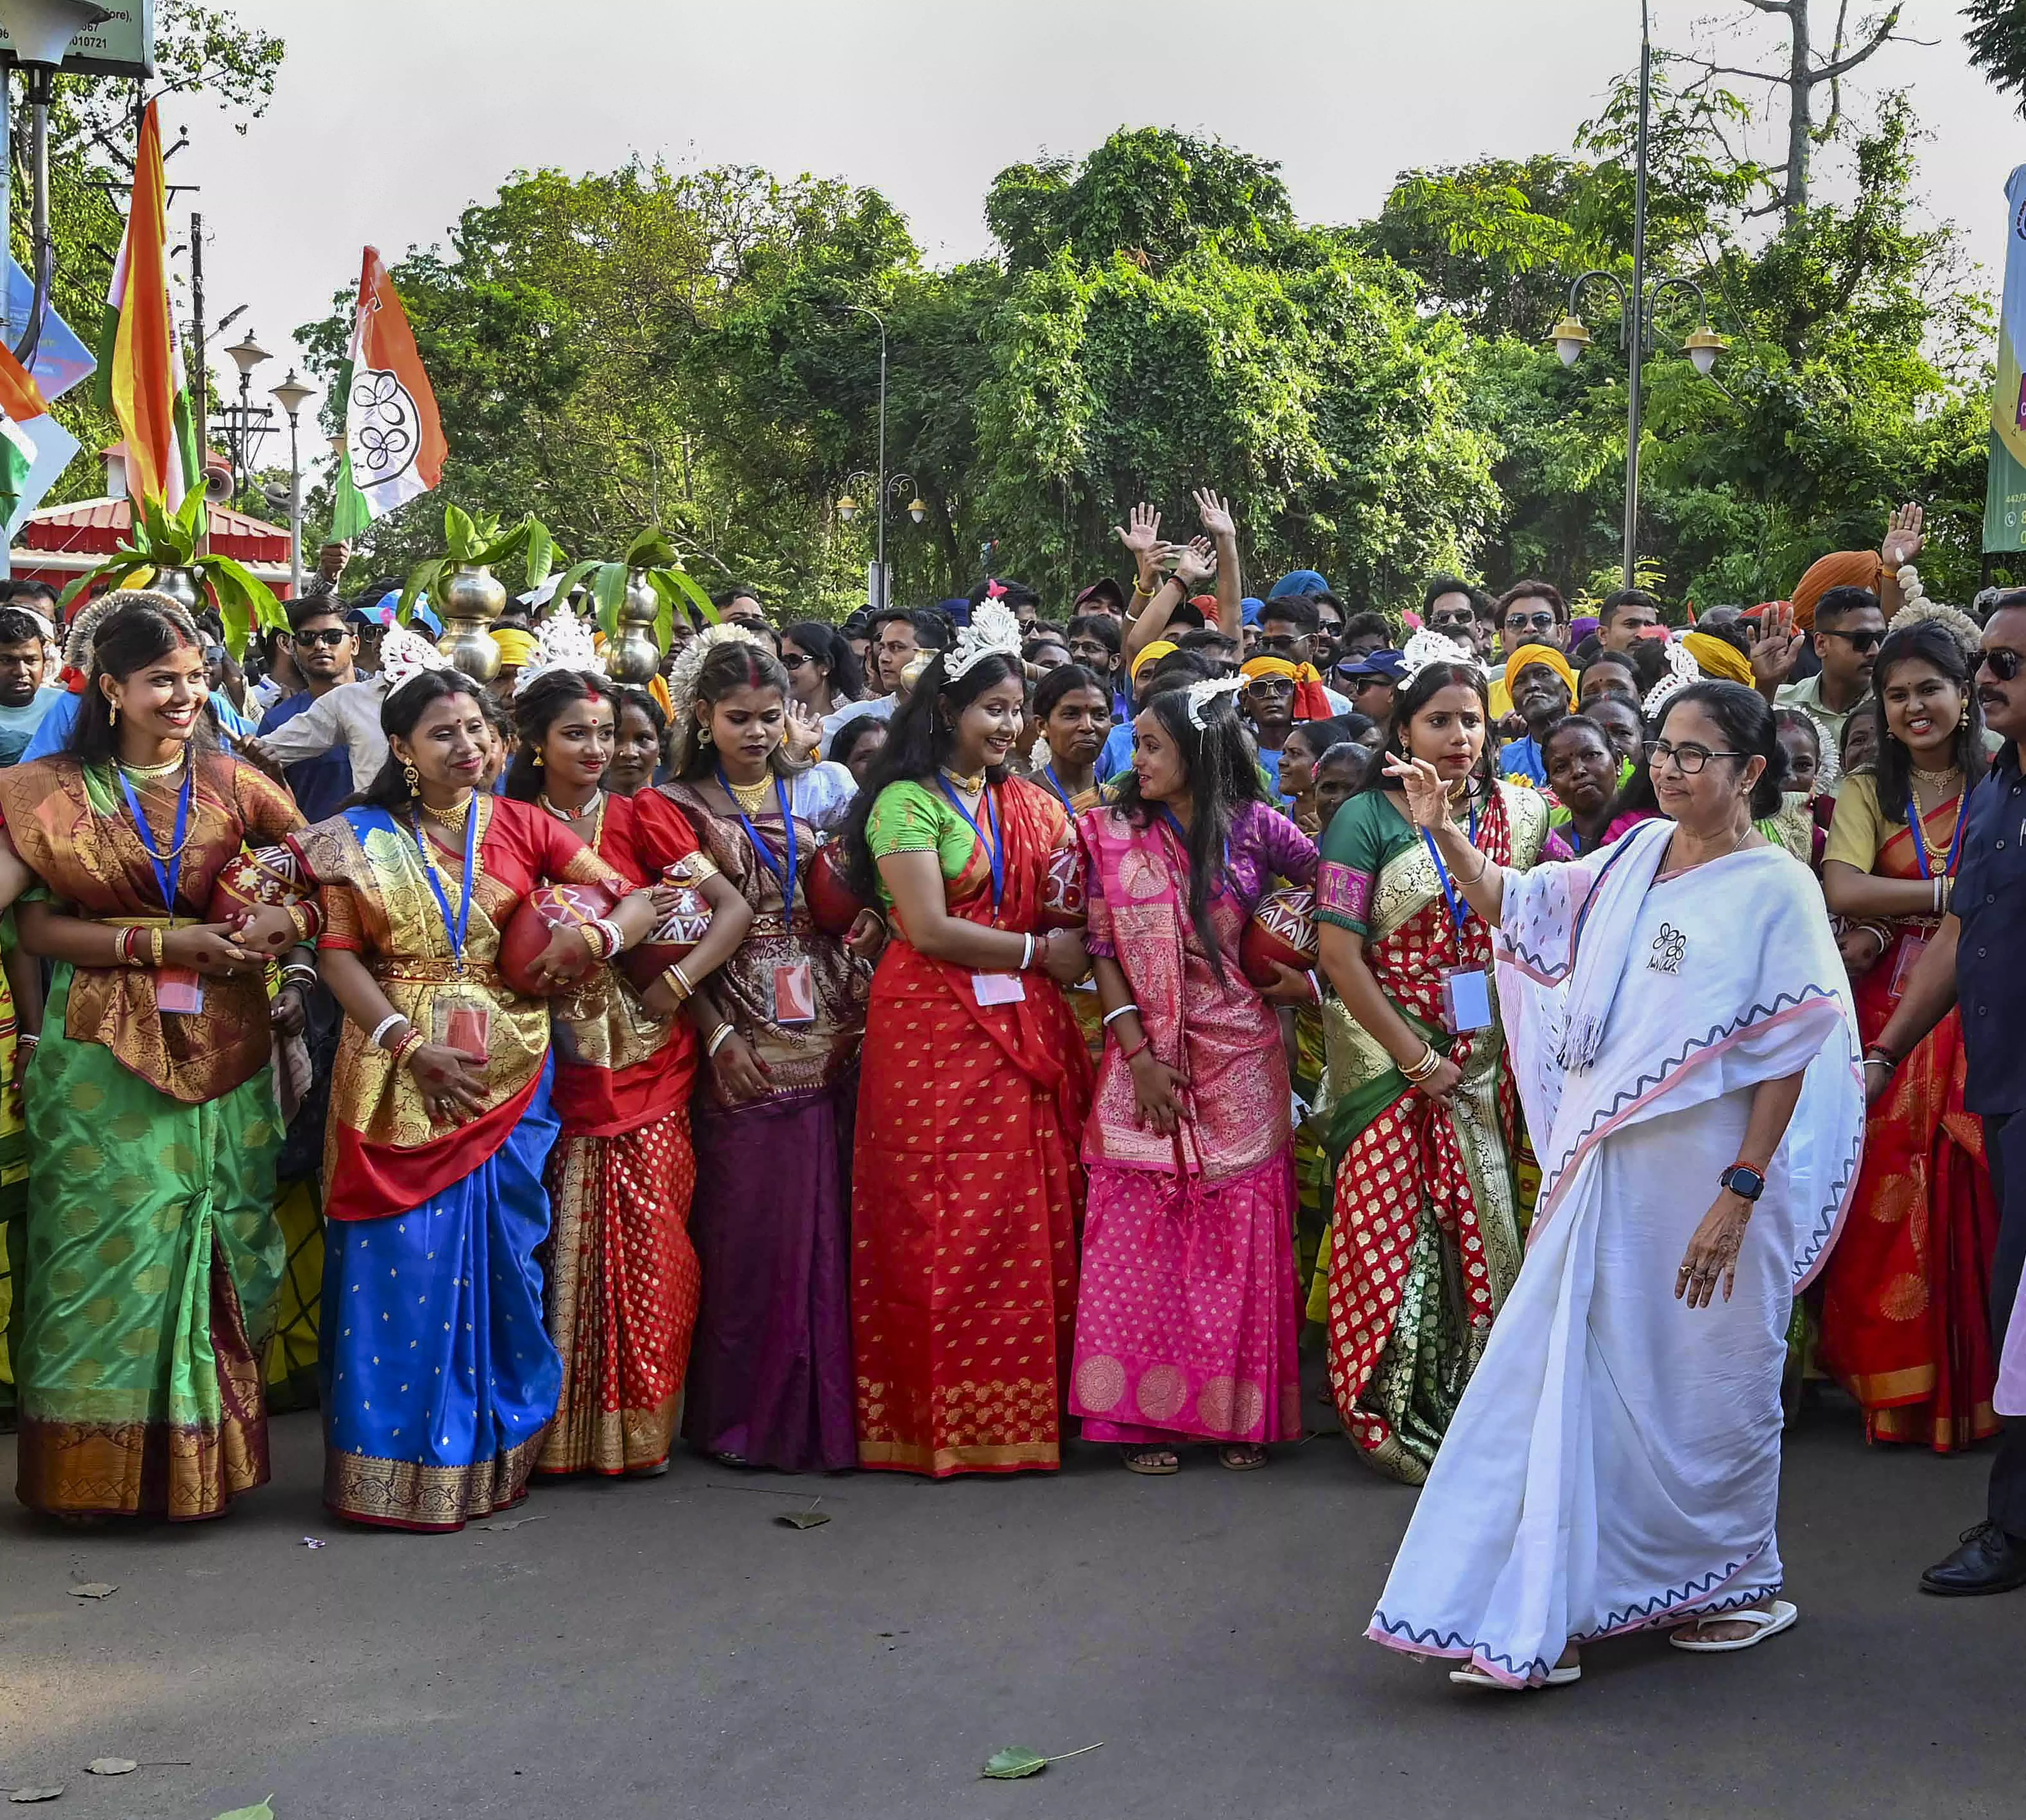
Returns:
<point x="98" y="527"/>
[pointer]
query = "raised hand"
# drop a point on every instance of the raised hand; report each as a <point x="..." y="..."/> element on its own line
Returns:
<point x="1195" y="562"/>
<point x="1903" y="540"/>
<point x="1141" y="534"/>
<point x="804" y="732"/>
<point x="1779" y="645"/>
<point x="1215" y="515"/>
<point x="1428" y="795"/>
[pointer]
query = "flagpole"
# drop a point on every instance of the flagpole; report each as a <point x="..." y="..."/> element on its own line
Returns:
<point x="199" y="378"/>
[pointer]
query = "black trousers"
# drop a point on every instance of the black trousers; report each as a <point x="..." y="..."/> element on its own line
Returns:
<point x="2005" y="1144"/>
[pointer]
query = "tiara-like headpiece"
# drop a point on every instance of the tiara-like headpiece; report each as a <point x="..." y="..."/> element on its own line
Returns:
<point x="1958" y="624"/>
<point x="1682" y="671"/>
<point x="564" y="643"/>
<point x="1201" y="695"/>
<point x="404" y="656"/>
<point x="993" y="632"/>
<point x="1428" y="646"/>
<point x="682" y="682"/>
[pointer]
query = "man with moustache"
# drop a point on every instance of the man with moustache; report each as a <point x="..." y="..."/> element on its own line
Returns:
<point x="1973" y="962"/>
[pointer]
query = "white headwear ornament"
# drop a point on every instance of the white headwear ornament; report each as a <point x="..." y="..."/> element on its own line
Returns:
<point x="404" y="656"/>
<point x="1428" y="647"/>
<point x="993" y="632"/>
<point x="564" y="643"/>
<point x="1200" y="695"/>
<point x="1965" y="629"/>
<point x="1682" y="670"/>
<point x="682" y="682"/>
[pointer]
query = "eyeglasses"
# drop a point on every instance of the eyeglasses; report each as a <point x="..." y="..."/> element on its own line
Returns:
<point x="332" y="636"/>
<point x="795" y="660"/>
<point x="1529" y="622"/>
<point x="1089" y="651"/>
<point x="1860" y="642"/>
<point x="1455" y="619"/>
<point x="1281" y="641"/>
<point x="1688" y="760"/>
<point x="2004" y="663"/>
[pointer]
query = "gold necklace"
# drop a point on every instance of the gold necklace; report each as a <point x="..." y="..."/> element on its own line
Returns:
<point x="140" y="773"/>
<point x="971" y="786"/>
<point x="450" y="819"/>
<point x="752" y="799"/>
<point x="1941" y="779"/>
<point x="596" y="804"/>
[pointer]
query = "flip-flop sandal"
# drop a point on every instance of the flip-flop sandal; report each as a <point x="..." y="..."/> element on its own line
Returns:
<point x="1765" y="1624"/>
<point x="1474" y="1676"/>
<point x="1248" y="1459"/>
<point x="1148" y="1462"/>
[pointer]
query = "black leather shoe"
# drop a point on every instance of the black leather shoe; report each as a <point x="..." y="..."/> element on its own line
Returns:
<point x="1989" y="1561"/>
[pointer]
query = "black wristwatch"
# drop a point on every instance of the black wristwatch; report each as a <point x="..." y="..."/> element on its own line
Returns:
<point x="1743" y="1180"/>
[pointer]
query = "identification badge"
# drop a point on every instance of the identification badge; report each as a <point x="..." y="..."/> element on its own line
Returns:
<point x="999" y="988"/>
<point x="794" y="993"/>
<point x="1466" y="1001"/>
<point x="462" y="1022"/>
<point x="1911" y="948"/>
<point x="179" y="991"/>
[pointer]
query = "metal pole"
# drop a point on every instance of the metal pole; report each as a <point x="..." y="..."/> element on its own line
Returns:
<point x="885" y="585"/>
<point x="200" y="375"/>
<point x="295" y="515"/>
<point x="39" y="248"/>
<point x="1635" y="354"/>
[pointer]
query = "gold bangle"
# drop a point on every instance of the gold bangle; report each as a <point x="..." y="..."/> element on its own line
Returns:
<point x="157" y="947"/>
<point x="1423" y="1065"/>
<point x="677" y="982"/>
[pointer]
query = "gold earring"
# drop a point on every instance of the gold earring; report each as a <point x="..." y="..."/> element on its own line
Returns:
<point x="538" y="761"/>
<point x="413" y="777"/>
<point x="703" y="734"/>
<point x="112" y="713"/>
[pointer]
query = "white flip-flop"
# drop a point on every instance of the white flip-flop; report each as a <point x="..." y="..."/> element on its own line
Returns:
<point x="1474" y="1676"/>
<point x="1765" y="1624"/>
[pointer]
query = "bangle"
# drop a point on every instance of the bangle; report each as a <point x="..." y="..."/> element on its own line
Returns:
<point x="157" y="947"/>
<point x="594" y="939"/>
<point x="1315" y="986"/>
<point x="1027" y="953"/>
<point x="123" y="944"/>
<point x="1877" y="935"/>
<point x="717" y="1037"/>
<point x="1145" y="593"/>
<point x="1880" y="1056"/>
<point x="380" y="1029"/>
<point x="1146" y="1043"/>
<point x="1423" y="1065"/>
<point x="297" y="974"/>
<point x="681" y="979"/>
<point x="410" y="1043"/>
<point x="1948" y="891"/>
<point x="1120" y="1013"/>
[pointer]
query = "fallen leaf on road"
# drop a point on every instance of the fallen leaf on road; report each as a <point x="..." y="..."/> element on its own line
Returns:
<point x="93" y="1589"/>
<point x="36" y="1794"/>
<point x="803" y="1518"/>
<point x="110" y="1767"/>
<point x="512" y="1523"/>
<point x="263" y="1811"/>
<point x="1013" y="1763"/>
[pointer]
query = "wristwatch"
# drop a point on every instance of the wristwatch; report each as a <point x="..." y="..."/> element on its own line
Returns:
<point x="1743" y="1180"/>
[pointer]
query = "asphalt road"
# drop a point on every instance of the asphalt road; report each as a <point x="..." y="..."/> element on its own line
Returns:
<point x="669" y="1649"/>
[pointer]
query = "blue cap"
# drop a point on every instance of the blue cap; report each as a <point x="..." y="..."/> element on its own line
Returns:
<point x="1384" y="664"/>
<point x="1303" y="581"/>
<point x="1249" y="609"/>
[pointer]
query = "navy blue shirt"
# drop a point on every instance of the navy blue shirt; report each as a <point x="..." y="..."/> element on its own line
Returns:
<point x="1989" y="900"/>
<point x="320" y="785"/>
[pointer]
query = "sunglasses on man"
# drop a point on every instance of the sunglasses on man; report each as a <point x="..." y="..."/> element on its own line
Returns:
<point x="2004" y="663"/>
<point x="1860" y="642"/>
<point x="1530" y="622"/>
<point x="331" y="636"/>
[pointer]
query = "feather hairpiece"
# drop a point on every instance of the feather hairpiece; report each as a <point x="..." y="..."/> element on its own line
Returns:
<point x="564" y="643"/>
<point x="993" y="632"/>
<point x="1682" y="672"/>
<point x="404" y="656"/>
<point x="1428" y="647"/>
<point x="1202" y="695"/>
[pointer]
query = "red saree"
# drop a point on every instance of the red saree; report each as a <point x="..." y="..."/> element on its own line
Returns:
<point x="1905" y="1292"/>
<point x="966" y="1190"/>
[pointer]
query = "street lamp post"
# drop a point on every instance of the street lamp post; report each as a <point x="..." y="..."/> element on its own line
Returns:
<point x="883" y="487"/>
<point x="882" y="590"/>
<point x="1636" y="312"/>
<point x="246" y="422"/>
<point x="292" y="395"/>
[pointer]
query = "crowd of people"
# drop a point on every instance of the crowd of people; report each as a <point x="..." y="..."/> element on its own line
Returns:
<point x="909" y="1043"/>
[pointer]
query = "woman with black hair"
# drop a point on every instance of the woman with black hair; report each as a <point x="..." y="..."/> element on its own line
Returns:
<point x="967" y="1190"/>
<point x="440" y="1376"/>
<point x="1425" y="1239"/>
<point x="621" y="1271"/>
<point x="153" y="1255"/>
<point x="637" y="742"/>
<point x="1615" y="1464"/>
<point x="781" y="1023"/>
<point x="1073" y="708"/>
<point x="1187" y="1321"/>
<point x="823" y="670"/>
<point x="1904" y="1320"/>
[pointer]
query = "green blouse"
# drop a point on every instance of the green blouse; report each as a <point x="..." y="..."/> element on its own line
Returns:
<point x="911" y="818"/>
<point x="1363" y="835"/>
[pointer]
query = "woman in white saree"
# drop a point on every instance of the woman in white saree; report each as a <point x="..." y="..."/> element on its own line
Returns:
<point x="1681" y="1027"/>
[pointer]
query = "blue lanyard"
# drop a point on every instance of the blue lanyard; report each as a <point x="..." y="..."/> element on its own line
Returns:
<point x="453" y="927"/>
<point x="1056" y="783"/>
<point x="763" y="853"/>
<point x="168" y="866"/>
<point x="995" y="849"/>
<point x="1459" y="911"/>
<point x="1919" y="833"/>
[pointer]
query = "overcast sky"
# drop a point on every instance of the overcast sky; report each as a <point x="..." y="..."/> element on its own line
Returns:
<point x="391" y="115"/>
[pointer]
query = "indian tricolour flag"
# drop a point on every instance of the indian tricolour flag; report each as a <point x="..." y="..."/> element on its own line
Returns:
<point x="141" y="375"/>
<point x="394" y="444"/>
<point x="21" y="403"/>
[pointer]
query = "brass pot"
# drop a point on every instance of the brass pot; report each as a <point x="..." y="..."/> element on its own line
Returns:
<point x="469" y="599"/>
<point x="634" y="656"/>
<point x="183" y="586"/>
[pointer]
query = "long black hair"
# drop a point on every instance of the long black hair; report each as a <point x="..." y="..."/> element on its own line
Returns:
<point x="1064" y="679"/>
<point x="1431" y="680"/>
<point x="537" y="709"/>
<point x="826" y="643"/>
<point x="1745" y="719"/>
<point x="397" y="715"/>
<point x="1223" y="778"/>
<point x="919" y="739"/>
<point x="1892" y="766"/>
<point x="735" y="664"/>
<point x="143" y="628"/>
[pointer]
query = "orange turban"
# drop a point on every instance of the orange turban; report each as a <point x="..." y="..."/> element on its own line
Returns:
<point x="1844" y="568"/>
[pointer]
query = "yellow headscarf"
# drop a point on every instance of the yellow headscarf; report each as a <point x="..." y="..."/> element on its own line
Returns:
<point x="1546" y="655"/>
<point x="1254" y="667"/>
<point x="516" y="646"/>
<point x="1716" y="658"/>
<point x="1153" y="654"/>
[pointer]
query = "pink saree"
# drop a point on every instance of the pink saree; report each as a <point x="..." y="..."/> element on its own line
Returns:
<point x="1186" y="1314"/>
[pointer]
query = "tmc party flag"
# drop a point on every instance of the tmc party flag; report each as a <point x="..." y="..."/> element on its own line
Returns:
<point x="393" y="440"/>
<point x="21" y="402"/>
<point x="2004" y="485"/>
<point x="141" y="361"/>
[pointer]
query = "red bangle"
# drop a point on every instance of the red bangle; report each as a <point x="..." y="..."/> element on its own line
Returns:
<point x="1146" y="1043"/>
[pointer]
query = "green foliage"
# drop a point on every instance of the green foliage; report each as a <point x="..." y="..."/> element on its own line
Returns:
<point x="653" y="555"/>
<point x="479" y="542"/>
<point x="1996" y="41"/>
